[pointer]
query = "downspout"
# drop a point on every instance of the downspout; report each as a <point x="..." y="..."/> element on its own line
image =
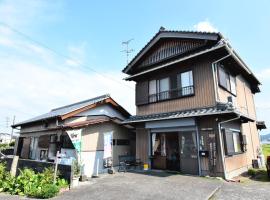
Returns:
<point x="198" y="149"/>
<point x="217" y="99"/>
<point x="215" y="77"/>
<point x="222" y="145"/>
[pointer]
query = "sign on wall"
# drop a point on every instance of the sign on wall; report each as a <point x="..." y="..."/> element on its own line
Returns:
<point x="76" y="138"/>
<point x="108" y="144"/>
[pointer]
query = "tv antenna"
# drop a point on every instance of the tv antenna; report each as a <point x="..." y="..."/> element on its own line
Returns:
<point x="127" y="51"/>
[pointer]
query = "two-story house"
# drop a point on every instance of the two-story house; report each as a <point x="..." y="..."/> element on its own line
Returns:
<point x="195" y="105"/>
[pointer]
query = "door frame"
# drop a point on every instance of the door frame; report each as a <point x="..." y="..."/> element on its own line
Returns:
<point x="176" y="129"/>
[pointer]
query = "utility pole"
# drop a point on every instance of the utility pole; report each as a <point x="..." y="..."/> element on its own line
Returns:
<point x="127" y="51"/>
<point x="7" y="122"/>
<point x="12" y="129"/>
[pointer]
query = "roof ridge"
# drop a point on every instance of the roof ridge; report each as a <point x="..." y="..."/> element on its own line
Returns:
<point x="190" y="31"/>
<point x="163" y="30"/>
<point x="84" y="101"/>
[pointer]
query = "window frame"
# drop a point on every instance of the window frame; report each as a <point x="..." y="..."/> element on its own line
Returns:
<point x="179" y="83"/>
<point x="155" y="98"/>
<point x="233" y="132"/>
<point x="227" y="88"/>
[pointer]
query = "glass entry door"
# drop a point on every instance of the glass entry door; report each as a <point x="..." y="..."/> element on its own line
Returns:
<point x="188" y="152"/>
<point x="165" y="151"/>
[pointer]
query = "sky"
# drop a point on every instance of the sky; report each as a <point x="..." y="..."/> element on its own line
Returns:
<point x="57" y="52"/>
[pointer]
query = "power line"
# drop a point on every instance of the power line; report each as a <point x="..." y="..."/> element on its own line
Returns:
<point x="62" y="55"/>
<point x="16" y="110"/>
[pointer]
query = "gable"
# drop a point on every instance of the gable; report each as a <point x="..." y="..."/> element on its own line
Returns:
<point x="104" y="109"/>
<point x="169" y="48"/>
<point x="168" y="44"/>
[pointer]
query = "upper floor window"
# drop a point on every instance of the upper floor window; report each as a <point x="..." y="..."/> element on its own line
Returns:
<point x="226" y="80"/>
<point x="174" y="87"/>
<point x="185" y="83"/>
<point x="159" y="89"/>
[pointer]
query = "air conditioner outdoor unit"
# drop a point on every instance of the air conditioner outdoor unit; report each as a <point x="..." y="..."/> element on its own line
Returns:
<point x="231" y="101"/>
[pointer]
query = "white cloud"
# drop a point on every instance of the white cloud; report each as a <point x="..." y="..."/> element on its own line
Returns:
<point x="33" y="80"/>
<point x="25" y="14"/>
<point x="205" y="26"/>
<point x="264" y="74"/>
<point x="28" y="87"/>
<point x="76" y="55"/>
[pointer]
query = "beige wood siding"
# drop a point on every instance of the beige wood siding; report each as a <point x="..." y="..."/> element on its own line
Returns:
<point x="204" y="91"/>
<point x="245" y="104"/>
<point x="244" y="97"/>
<point x="205" y="124"/>
<point x="236" y="162"/>
<point x="142" y="144"/>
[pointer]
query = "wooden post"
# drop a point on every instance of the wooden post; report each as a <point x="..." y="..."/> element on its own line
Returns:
<point x="56" y="166"/>
<point x="14" y="165"/>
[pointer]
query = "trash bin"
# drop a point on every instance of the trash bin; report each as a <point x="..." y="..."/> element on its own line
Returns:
<point x="145" y="166"/>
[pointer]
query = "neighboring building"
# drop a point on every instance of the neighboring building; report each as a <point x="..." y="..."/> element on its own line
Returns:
<point x="195" y="105"/>
<point x="41" y="137"/>
<point x="5" y="138"/>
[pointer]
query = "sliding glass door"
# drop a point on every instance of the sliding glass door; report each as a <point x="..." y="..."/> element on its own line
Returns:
<point x="188" y="152"/>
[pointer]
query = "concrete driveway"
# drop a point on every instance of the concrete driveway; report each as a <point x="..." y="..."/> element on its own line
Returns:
<point x="142" y="186"/>
<point x="160" y="186"/>
<point x="247" y="191"/>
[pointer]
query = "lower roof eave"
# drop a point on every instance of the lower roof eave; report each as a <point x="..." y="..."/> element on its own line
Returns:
<point x="178" y="117"/>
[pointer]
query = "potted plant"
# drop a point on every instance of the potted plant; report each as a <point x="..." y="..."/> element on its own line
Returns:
<point x="76" y="173"/>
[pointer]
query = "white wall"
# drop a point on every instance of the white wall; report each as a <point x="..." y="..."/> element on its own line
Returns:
<point x="92" y="161"/>
<point x="103" y="110"/>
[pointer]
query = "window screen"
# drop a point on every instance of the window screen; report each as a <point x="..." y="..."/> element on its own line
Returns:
<point x="152" y="87"/>
<point x="233" y="84"/>
<point x="232" y="142"/>
<point x="163" y="89"/>
<point x="224" y="80"/>
<point x="185" y="83"/>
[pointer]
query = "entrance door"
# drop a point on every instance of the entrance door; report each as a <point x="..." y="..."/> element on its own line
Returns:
<point x="172" y="156"/>
<point x="188" y="152"/>
<point x="165" y="151"/>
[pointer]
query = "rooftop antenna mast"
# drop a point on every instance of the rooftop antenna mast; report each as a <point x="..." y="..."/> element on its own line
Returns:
<point x="127" y="51"/>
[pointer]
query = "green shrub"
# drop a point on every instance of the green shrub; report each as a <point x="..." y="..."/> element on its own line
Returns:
<point x="3" y="146"/>
<point x="29" y="183"/>
<point x="46" y="177"/>
<point x="2" y="170"/>
<point x="62" y="183"/>
<point x="26" y="181"/>
<point x="76" y="168"/>
<point x="12" y="144"/>
<point x="44" y="191"/>
<point x="252" y="171"/>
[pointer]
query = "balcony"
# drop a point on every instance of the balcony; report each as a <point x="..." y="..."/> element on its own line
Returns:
<point x="172" y="94"/>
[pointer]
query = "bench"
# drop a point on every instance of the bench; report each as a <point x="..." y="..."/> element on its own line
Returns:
<point x="127" y="161"/>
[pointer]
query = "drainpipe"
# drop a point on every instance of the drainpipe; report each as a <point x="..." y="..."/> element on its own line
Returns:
<point x="198" y="149"/>
<point x="221" y="143"/>
<point x="214" y="74"/>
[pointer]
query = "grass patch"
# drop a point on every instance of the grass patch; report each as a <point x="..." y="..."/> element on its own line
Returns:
<point x="258" y="174"/>
<point x="266" y="150"/>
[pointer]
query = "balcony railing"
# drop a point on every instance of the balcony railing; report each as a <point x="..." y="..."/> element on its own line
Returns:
<point x="172" y="94"/>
